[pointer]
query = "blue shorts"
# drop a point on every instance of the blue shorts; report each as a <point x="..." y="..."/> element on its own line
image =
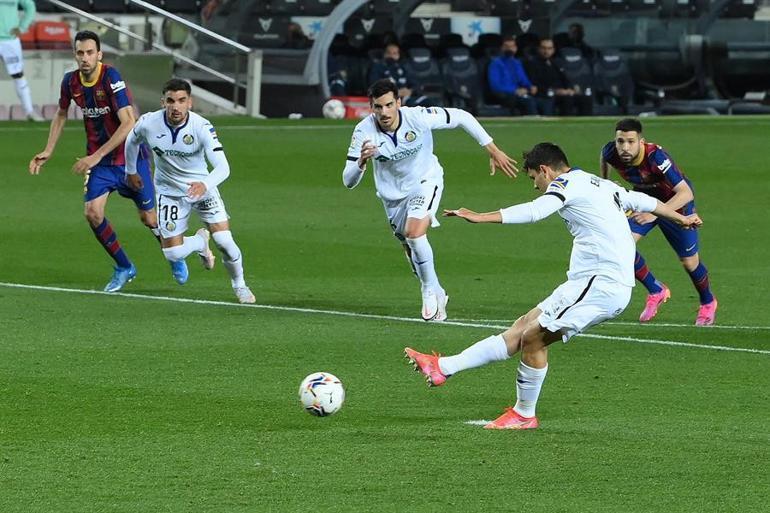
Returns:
<point x="106" y="179"/>
<point x="684" y="242"/>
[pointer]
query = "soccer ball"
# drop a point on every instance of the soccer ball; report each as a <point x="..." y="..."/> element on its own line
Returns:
<point x="333" y="109"/>
<point x="321" y="394"/>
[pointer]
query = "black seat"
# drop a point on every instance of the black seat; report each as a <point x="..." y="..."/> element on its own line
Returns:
<point x="117" y="6"/>
<point x="461" y="79"/>
<point x="615" y="87"/>
<point x="426" y="72"/>
<point x="181" y="6"/>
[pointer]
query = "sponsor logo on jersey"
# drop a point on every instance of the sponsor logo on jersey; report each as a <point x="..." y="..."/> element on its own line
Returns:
<point x="188" y="139"/>
<point x="401" y="155"/>
<point x="95" y="112"/>
<point x="410" y="136"/>
<point x="118" y="86"/>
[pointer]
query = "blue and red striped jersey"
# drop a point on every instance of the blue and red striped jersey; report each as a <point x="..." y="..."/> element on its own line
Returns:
<point x="100" y="102"/>
<point x="656" y="174"/>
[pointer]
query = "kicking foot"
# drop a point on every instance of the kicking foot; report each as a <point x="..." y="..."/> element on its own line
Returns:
<point x="426" y="364"/>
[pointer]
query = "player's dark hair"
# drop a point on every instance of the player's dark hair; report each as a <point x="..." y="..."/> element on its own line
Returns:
<point x="177" y="84"/>
<point x="545" y="154"/>
<point x="629" y="125"/>
<point x="382" y="86"/>
<point x="85" y="35"/>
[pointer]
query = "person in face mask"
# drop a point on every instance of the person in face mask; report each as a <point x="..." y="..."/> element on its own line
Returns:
<point x="392" y="67"/>
<point x="509" y="83"/>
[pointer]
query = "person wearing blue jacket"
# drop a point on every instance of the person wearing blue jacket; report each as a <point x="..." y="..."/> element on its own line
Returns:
<point x="509" y="83"/>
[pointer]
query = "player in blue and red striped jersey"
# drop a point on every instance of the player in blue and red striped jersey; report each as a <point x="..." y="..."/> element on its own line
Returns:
<point x="108" y="115"/>
<point x="651" y="170"/>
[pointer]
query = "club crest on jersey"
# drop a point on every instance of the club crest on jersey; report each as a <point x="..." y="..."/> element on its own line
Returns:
<point x="188" y="139"/>
<point x="100" y="94"/>
<point x="410" y="136"/>
<point x="170" y="226"/>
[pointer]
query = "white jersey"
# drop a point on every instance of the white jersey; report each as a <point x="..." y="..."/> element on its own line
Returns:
<point x="180" y="153"/>
<point x="594" y="212"/>
<point x="405" y="157"/>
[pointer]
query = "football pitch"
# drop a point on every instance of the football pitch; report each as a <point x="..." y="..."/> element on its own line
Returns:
<point x="176" y="398"/>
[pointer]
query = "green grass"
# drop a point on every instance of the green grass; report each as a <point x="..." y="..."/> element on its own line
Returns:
<point x="131" y="404"/>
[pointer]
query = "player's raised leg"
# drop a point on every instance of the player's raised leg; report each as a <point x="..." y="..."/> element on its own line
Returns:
<point x="232" y="260"/>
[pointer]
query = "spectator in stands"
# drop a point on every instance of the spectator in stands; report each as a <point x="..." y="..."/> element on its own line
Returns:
<point x="338" y="77"/>
<point x="393" y="68"/>
<point x="509" y="83"/>
<point x="554" y="90"/>
<point x="577" y="40"/>
<point x="11" y="27"/>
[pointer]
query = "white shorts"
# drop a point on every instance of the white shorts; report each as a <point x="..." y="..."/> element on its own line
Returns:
<point x="423" y="202"/>
<point x="174" y="212"/>
<point x="10" y="51"/>
<point x="579" y="304"/>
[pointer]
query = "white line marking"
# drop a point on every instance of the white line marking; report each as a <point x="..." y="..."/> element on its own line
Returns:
<point x="644" y="324"/>
<point x="365" y="316"/>
<point x="477" y="422"/>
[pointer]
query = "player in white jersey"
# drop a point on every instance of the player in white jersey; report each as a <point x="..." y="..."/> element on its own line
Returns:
<point x="11" y="27"/>
<point x="599" y="280"/>
<point x="182" y="142"/>
<point x="408" y="177"/>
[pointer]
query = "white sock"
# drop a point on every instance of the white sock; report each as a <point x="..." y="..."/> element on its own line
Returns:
<point x="528" y="383"/>
<point x="491" y="349"/>
<point x="422" y="259"/>
<point x="196" y="243"/>
<point x="22" y="90"/>
<point x="232" y="260"/>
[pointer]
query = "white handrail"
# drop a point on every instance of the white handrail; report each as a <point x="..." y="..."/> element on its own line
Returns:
<point x="191" y="25"/>
<point x="137" y="37"/>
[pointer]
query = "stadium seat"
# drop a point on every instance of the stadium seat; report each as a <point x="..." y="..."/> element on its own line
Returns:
<point x="447" y="41"/>
<point x="413" y="40"/>
<point x="385" y="6"/>
<point x="116" y="6"/>
<point x="504" y="7"/>
<point x="265" y="32"/>
<point x="181" y="6"/>
<point x="578" y="71"/>
<point x="615" y="87"/>
<point x="28" y="41"/>
<point x="426" y="71"/>
<point x="53" y="35"/>
<point x="461" y="79"/>
<point x="286" y="7"/>
<point x="484" y="42"/>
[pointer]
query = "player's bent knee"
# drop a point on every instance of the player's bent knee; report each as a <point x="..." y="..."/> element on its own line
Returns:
<point x="93" y="216"/>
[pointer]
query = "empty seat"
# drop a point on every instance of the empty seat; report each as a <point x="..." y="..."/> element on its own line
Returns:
<point x="426" y="72"/>
<point x="614" y="84"/>
<point x="461" y="79"/>
<point x="53" y="35"/>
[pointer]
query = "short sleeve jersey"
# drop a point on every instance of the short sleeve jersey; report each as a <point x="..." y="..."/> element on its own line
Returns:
<point x="100" y="102"/>
<point x="656" y="175"/>
<point x="179" y="152"/>
<point x="405" y="157"/>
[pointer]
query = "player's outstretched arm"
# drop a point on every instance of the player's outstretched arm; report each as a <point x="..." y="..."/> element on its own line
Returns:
<point x="475" y="217"/>
<point x="57" y="124"/>
<point x="691" y="222"/>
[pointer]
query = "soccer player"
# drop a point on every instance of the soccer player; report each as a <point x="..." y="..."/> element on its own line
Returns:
<point x="11" y="27"/>
<point x="182" y="141"/>
<point x="599" y="279"/>
<point x="651" y="170"/>
<point x="408" y="177"/>
<point x="108" y="116"/>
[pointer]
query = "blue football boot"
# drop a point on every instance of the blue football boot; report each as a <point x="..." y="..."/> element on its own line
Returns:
<point x="120" y="277"/>
<point x="179" y="271"/>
